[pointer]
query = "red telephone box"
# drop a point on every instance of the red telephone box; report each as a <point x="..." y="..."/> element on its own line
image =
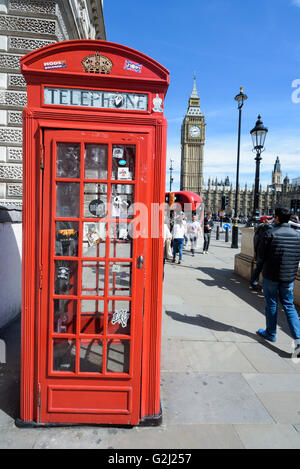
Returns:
<point x="94" y="165"/>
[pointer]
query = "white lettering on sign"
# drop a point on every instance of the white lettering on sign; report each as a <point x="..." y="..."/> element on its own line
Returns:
<point x="95" y="99"/>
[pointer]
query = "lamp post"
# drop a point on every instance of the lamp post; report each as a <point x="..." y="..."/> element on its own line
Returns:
<point x="240" y="98"/>
<point x="258" y="134"/>
<point x="171" y="174"/>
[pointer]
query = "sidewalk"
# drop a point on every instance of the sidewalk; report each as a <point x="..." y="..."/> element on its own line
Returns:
<point x="222" y="386"/>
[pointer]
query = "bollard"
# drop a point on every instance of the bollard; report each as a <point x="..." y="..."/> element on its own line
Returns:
<point x="226" y="235"/>
<point x="218" y="233"/>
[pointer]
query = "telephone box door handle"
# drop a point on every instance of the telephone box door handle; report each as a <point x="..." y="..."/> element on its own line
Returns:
<point x="140" y="262"/>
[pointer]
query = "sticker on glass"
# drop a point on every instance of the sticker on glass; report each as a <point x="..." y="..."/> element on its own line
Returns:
<point x="120" y="202"/>
<point x="63" y="273"/>
<point x="116" y="268"/>
<point x="118" y="152"/>
<point x="67" y="234"/>
<point x="97" y="208"/>
<point x="118" y="100"/>
<point x="94" y="238"/>
<point x="123" y="233"/>
<point x="123" y="173"/>
<point x="121" y="317"/>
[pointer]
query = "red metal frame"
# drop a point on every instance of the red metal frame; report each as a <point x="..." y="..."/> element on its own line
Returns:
<point x="73" y="397"/>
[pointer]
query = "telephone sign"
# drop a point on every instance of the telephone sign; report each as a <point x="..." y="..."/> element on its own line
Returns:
<point x="95" y="99"/>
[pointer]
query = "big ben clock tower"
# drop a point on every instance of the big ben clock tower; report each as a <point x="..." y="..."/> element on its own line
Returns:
<point x="192" y="145"/>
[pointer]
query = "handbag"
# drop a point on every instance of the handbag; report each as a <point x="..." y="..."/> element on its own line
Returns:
<point x="168" y="249"/>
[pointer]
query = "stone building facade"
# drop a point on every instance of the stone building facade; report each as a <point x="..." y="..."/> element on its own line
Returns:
<point x="26" y="25"/>
<point x="277" y="193"/>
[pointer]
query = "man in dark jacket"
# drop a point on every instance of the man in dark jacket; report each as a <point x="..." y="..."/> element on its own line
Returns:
<point x="280" y="253"/>
<point x="208" y="225"/>
<point x="265" y="224"/>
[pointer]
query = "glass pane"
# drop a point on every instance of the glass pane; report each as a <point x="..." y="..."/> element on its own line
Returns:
<point x="119" y="279"/>
<point x="119" y="317"/>
<point x="118" y="352"/>
<point x="94" y="236"/>
<point x="93" y="275"/>
<point x="123" y="162"/>
<point x="95" y="160"/>
<point x="122" y="198"/>
<point x="68" y="160"/>
<point x="91" y="356"/>
<point x="65" y="312"/>
<point x="120" y="243"/>
<point x="67" y="199"/>
<point x="66" y="240"/>
<point x="64" y="352"/>
<point x="66" y="277"/>
<point x="95" y="200"/>
<point x="92" y="314"/>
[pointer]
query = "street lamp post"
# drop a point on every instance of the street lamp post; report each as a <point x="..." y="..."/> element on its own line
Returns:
<point x="171" y="174"/>
<point x="240" y="98"/>
<point x="258" y="134"/>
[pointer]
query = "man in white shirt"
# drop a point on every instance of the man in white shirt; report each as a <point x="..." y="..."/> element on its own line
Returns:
<point x="178" y="234"/>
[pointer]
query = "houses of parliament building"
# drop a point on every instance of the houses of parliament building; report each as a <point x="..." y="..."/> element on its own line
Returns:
<point x="278" y="192"/>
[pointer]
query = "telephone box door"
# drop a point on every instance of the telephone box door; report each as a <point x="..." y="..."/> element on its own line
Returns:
<point x="92" y="277"/>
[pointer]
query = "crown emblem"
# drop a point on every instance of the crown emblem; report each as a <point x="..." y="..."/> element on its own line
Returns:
<point x="97" y="63"/>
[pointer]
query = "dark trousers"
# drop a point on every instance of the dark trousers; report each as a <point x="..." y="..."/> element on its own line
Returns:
<point x="256" y="272"/>
<point x="206" y="241"/>
<point x="178" y="244"/>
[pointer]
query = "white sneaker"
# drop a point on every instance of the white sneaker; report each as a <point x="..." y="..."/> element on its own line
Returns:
<point x="206" y="252"/>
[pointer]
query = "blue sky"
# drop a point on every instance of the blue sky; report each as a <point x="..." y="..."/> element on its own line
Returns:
<point x="228" y="43"/>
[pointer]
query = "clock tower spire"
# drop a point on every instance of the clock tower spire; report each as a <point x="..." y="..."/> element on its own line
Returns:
<point x="192" y="145"/>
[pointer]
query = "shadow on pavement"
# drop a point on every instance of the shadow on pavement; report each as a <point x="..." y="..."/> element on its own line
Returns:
<point x="227" y="279"/>
<point x="204" y="321"/>
<point x="10" y="337"/>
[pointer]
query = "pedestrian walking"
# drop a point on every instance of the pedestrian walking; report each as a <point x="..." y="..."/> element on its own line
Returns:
<point x="193" y="230"/>
<point x="280" y="253"/>
<point x="178" y="234"/>
<point x="185" y="223"/>
<point x="294" y="222"/>
<point x="208" y="226"/>
<point x="167" y="245"/>
<point x="167" y="242"/>
<point x="265" y="224"/>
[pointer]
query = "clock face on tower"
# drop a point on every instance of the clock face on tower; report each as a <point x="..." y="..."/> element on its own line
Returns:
<point x="195" y="131"/>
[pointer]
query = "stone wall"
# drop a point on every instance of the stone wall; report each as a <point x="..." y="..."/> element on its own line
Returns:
<point x="26" y="25"/>
<point x="244" y="261"/>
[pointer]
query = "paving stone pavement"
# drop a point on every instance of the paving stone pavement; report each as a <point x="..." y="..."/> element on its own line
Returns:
<point x="221" y="385"/>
